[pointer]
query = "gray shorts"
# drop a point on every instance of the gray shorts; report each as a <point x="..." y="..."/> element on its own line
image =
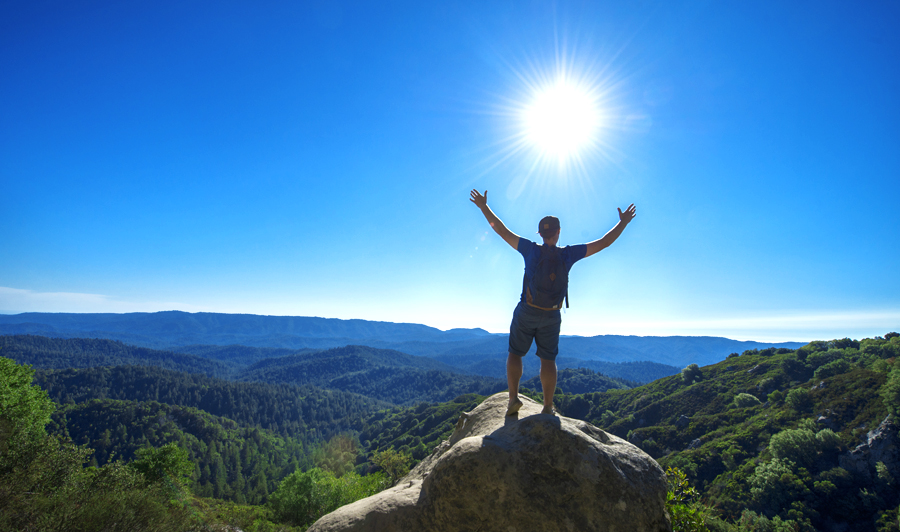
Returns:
<point x="529" y="324"/>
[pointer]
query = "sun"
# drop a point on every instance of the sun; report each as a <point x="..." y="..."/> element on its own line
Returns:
<point x="558" y="122"/>
<point x="561" y="120"/>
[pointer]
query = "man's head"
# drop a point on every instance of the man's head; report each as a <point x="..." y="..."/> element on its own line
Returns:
<point x="549" y="229"/>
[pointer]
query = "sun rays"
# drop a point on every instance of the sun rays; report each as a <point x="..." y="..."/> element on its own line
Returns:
<point x="556" y="122"/>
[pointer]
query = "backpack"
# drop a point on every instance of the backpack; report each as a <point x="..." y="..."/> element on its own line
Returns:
<point x="550" y="283"/>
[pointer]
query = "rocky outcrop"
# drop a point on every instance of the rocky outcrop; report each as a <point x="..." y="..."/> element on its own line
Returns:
<point x="527" y="473"/>
<point x="882" y="445"/>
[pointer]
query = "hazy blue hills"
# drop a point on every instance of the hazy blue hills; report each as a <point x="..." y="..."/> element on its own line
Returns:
<point x="175" y="330"/>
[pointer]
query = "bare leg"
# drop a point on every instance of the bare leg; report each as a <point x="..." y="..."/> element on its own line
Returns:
<point x="513" y="375"/>
<point x="548" y="383"/>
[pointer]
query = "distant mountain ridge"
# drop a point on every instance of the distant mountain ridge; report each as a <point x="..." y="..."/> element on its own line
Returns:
<point x="177" y="327"/>
<point x="174" y="329"/>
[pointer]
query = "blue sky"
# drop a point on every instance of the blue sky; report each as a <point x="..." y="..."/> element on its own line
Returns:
<point x="315" y="158"/>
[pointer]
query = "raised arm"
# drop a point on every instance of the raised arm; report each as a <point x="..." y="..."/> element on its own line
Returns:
<point x="481" y="202"/>
<point x="613" y="234"/>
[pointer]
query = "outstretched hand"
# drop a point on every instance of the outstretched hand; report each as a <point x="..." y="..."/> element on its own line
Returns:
<point x="479" y="200"/>
<point x="626" y="216"/>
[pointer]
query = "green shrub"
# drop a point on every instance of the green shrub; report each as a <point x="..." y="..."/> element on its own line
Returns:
<point x="745" y="400"/>
<point x="607" y="419"/>
<point x="828" y="441"/>
<point x="813" y="347"/>
<point x="774" y="484"/>
<point x="833" y="368"/>
<point x="890" y="392"/>
<point x="393" y="463"/>
<point x="752" y="522"/>
<point x="793" y="366"/>
<point x="815" y="360"/>
<point x="303" y="497"/>
<point x="883" y="473"/>
<point x="798" y="399"/>
<point x="687" y="514"/>
<point x="796" y="445"/>
<point x="889" y="521"/>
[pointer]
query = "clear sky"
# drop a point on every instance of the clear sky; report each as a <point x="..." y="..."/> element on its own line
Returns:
<point x="315" y="158"/>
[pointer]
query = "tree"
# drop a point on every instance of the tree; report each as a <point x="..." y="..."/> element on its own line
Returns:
<point x="691" y="374"/>
<point x="681" y="502"/>
<point x="394" y="464"/>
<point x="168" y="464"/>
<point x="45" y="486"/>
<point x="24" y="411"/>
<point x="303" y="497"/>
<point x="337" y="455"/>
<point x="890" y="391"/>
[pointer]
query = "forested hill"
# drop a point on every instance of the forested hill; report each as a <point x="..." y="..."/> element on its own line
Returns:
<point x="230" y="461"/>
<point x="580" y="380"/>
<point x="382" y="374"/>
<point x="61" y="353"/>
<point x="495" y="366"/>
<point x="238" y="355"/>
<point x="329" y="363"/>
<point x="306" y="413"/>
<point x="801" y="435"/>
<point x="774" y="439"/>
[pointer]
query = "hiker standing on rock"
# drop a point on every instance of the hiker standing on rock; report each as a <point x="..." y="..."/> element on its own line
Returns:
<point x="544" y="288"/>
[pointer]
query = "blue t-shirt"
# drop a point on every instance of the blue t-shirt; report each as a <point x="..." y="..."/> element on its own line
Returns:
<point x="531" y="252"/>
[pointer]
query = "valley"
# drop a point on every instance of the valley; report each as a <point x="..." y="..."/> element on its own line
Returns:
<point x="769" y="435"/>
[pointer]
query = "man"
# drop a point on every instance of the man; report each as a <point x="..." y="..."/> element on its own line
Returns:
<point x="532" y="321"/>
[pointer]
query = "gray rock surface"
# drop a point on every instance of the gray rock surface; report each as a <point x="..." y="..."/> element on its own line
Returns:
<point x="527" y="473"/>
<point x="882" y="445"/>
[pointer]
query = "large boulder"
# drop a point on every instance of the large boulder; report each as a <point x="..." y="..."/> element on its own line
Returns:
<point x="527" y="473"/>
